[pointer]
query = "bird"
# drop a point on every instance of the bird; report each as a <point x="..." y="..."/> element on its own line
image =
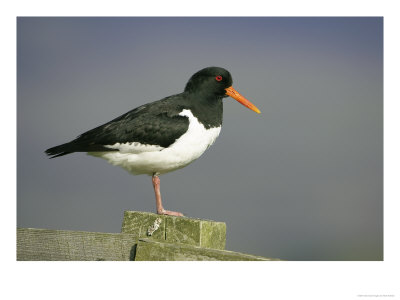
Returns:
<point x="165" y="135"/>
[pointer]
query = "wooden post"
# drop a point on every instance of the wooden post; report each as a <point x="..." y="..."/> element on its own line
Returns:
<point x="145" y="236"/>
<point x="196" y="232"/>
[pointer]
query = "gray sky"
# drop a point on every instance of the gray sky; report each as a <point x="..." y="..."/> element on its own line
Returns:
<point x="301" y="181"/>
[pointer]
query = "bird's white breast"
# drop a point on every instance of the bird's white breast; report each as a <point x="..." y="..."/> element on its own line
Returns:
<point x="149" y="159"/>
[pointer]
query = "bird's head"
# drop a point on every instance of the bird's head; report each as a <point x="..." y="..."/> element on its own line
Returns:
<point x="217" y="82"/>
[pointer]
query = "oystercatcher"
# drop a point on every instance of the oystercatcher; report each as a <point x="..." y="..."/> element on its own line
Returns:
<point x="165" y="135"/>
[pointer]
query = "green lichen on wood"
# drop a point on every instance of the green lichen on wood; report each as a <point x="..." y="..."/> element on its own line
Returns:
<point x="65" y="245"/>
<point x="213" y="235"/>
<point x="139" y="223"/>
<point x="183" y="230"/>
<point x="176" y="238"/>
<point x="149" y="250"/>
<point x="197" y="232"/>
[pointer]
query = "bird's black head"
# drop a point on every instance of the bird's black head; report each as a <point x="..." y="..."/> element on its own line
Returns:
<point x="211" y="81"/>
<point x="214" y="83"/>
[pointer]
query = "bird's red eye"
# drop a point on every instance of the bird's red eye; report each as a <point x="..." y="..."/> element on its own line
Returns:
<point x="218" y="78"/>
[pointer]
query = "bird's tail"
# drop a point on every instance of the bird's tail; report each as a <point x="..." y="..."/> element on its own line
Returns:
<point x="60" y="150"/>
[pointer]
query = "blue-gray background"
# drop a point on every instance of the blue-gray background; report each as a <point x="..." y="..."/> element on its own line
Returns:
<point x="301" y="181"/>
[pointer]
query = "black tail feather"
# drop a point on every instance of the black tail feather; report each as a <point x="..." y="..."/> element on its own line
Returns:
<point x="58" y="150"/>
<point x="74" y="146"/>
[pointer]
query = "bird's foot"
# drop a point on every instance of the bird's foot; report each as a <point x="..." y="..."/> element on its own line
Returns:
<point x="169" y="213"/>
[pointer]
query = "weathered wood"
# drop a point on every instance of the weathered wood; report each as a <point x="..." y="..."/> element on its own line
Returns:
<point x="171" y="238"/>
<point x="44" y="244"/>
<point x="150" y="250"/>
<point x="196" y="232"/>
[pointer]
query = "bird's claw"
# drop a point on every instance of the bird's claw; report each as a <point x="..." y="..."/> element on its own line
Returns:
<point x="169" y="213"/>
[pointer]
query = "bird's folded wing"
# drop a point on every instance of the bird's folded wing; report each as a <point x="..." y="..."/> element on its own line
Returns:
<point x="147" y="129"/>
<point x="131" y="132"/>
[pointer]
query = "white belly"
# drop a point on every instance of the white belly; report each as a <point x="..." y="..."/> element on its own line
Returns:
<point x="146" y="159"/>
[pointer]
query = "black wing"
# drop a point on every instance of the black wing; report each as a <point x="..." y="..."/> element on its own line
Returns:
<point x="157" y="123"/>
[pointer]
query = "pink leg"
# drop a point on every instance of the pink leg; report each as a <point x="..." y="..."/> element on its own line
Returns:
<point x="160" y="209"/>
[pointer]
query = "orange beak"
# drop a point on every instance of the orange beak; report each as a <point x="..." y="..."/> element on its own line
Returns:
<point x="230" y="91"/>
